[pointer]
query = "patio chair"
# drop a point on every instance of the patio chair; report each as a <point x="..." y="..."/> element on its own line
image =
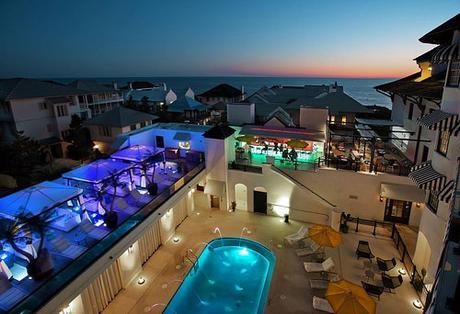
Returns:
<point x="391" y="282"/>
<point x="321" y="304"/>
<point x="92" y="231"/>
<point x="371" y="289"/>
<point x="62" y="247"/>
<point x="296" y="237"/>
<point x="386" y="265"/>
<point x="363" y="250"/>
<point x="313" y="248"/>
<point x="325" y="266"/>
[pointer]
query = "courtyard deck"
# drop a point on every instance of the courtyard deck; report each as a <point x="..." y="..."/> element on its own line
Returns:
<point x="290" y="290"/>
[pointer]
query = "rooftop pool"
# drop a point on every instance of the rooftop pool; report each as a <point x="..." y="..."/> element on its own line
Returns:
<point x="232" y="275"/>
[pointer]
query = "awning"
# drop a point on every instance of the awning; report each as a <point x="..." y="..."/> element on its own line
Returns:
<point x="456" y="129"/>
<point x="37" y="199"/>
<point x="378" y="122"/>
<point x="444" y="54"/>
<point x="182" y="136"/>
<point x="366" y="131"/>
<point x="438" y="119"/>
<point x="214" y="187"/>
<point x="137" y="153"/>
<point x="446" y="192"/>
<point x="426" y="178"/>
<point x="286" y="133"/>
<point x="403" y="192"/>
<point x="98" y="170"/>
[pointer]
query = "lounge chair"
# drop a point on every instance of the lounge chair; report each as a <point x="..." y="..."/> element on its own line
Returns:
<point x="391" y="282"/>
<point x="321" y="304"/>
<point x="296" y="237"/>
<point x="313" y="248"/>
<point x="386" y="265"/>
<point x="363" y="250"/>
<point x="92" y="231"/>
<point x="323" y="283"/>
<point x="373" y="289"/>
<point x="62" y="247"/>
<point x="325" y="266"/>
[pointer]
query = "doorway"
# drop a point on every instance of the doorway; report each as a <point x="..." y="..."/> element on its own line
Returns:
<point x="160" y="141"/>
<point x="241" y="196"/>
<point x="397" y="211"/>
<point x="425" y="153"/>
<point x="215" y="201"/>
<point x="260" y="200"/>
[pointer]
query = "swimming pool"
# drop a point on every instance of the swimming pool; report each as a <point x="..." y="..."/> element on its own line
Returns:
<point x="232" y="275"/>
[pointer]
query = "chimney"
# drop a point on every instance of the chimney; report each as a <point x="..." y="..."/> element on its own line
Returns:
<point x="164" y="86"/>
<point x="130" y="85"/>
<point x="115" y="85"/>
<point x="242" y="92"/>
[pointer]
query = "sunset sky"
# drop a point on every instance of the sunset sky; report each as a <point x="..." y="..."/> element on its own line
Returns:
<point x="216" y="37"/>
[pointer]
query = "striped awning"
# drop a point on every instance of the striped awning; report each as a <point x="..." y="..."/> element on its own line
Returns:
<point x="444" y="54"/>
<point x="456" y="129"/>
<point x="426" y="178"/>
<point x="439" y="120"/>
<point x="446" y="192"/>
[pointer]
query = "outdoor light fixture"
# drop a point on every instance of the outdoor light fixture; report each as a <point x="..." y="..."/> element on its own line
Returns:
<point x="418" y="204"/>
<point x="402" y="271"/>
<point x="130" y="249"/>
<point x="66" y="310"/>
<point x="96" y="146"/>
<point x="141" y="280"/>
<point x="176" y="239"/>
<point x="417" y="304"/>
<point x="381" y="198"/>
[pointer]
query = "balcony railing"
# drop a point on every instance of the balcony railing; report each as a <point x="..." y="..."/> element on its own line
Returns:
<point x="245" y="168"/>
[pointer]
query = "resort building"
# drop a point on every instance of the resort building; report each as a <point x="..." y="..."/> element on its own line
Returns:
<point x="105" y="127"/>
<point x="223" y="93"/>
<point x="152" y="100"/>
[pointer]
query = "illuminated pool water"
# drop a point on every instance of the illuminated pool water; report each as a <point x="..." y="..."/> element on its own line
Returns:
<point x="231" y="276"/>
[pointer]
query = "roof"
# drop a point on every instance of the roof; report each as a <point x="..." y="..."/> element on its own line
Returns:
<point x="219" y="132"/>
<point x="37" y="199"/>
<point x="186" y="103"/>
<point x="428" y="55"/>
<point x="335" y="101"/>
<point x="90" y="86"/>
<point x="430" y="88"/>
<point x="155" y="94"/>
<point x="58" y="100"/>
<point x="290" y="133"/>
<point x="377" y="122"/>
<point x="20" y="88"/>
<point x="140" y="85"/>
<point x="443" y="33"/>
<point x="282" y="116"/>
<point x="121" y="117"/>
<point x="218" y="106"/>
<point x="222" y="90"/>
<point x="97" y="171"/>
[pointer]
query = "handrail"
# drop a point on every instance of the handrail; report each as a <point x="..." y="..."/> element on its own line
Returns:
<point x="300" y="210"/>
<point x="275" y="168"/>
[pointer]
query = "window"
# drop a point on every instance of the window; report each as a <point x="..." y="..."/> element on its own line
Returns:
<point x="443" y="142"/>
<point x="105" y="131"/>
<point x="332" y="119"/>
<point x="61" y="110"/>
<point x="411" y="111"/>
<point x="142" y="124"/>
<point x="453" y="78"/>
<point x="433" y="201"/>
<point x="132" y="127"/>
<point x="344" y="120"/>
<point x="43" y="106"/>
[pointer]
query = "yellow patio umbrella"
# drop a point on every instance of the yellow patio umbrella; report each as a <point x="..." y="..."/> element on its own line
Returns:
<point x="325" y="236"/>
<point x="246" y="138"/>
<point x="297" y="144"/>
<point x="347" y="298"/>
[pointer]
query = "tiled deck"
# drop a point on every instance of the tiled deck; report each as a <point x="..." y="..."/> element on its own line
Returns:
<point x="289" y="292"/>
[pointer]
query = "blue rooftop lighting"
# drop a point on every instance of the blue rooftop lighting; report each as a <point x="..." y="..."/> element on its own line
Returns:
<point x="97" y="171"/>
<point x="137" y="153"/>
<point x="37" y="199"/>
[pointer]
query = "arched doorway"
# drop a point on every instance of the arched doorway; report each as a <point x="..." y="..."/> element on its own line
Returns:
<point x="241" y="196"/>
<point x="260" y="200"/>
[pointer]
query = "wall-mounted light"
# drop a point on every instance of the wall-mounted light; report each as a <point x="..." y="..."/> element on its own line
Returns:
<point x="66" y="310"/>
<point x="176" y="239"/>
<point x="417" y="304"/>
<point x="418" y="204"/>
<point x="381" y="198"/>
<point x="130" y="249"/>
<point x="402" y="271"/>
<point x="141" y="280"/>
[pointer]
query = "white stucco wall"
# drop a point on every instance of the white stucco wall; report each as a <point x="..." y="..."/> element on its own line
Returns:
<point x="239" y="114"/>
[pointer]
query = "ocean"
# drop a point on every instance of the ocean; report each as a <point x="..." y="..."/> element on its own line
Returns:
<point x="360" y="89"/>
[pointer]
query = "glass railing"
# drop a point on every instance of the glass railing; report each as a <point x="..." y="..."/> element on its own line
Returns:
<point x="65" y="276"/>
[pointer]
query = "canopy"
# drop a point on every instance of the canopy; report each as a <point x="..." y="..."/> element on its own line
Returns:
<point x="325" y="236"/>
<point x="425" y="177"/>
<point x="366" y="131"/>
<point x="214" y="187"/>
<point x="377" y="122"/>
<point x="347" y="298"/>
<point x="438" y="119"/>
<point x="37" y="199"/>
<point x="182" y="136"/>
<point x="403" y="192"/>
<point x="289" y="133"/>
<point x="137" y="153"/>
<point x="97" y="171"/>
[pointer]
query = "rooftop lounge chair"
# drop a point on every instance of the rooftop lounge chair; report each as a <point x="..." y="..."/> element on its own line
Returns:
<point x="391" y="282"/>
<point x="321" y="304"/>
<point x="386" y="265"/>
<point x="326" y="266"/>
<point x="372" y="289"/>
<point x="92" y="231"/>
<point x="313" y="248"/>
<point x="363" y="250"/>
<point x="63" y="247"/>
<point x="298" y="236"/>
